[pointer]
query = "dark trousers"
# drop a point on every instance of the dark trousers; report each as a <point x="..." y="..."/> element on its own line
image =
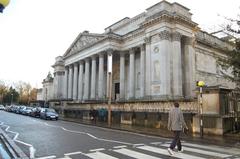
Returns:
<point x="176" y="141"/>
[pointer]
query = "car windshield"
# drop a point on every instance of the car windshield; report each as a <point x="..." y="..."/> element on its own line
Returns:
<point x="51" y="110"/>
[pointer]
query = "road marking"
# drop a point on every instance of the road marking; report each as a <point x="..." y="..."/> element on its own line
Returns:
<point x="23" y="143"/>
<point x="225" y="150"/>
<point x="65" y="157"/>
<point x="135" y="154"/>
<point x="210" y="153"/>
<point x="117" y="147"/>
<point x="90" y="135"/>
<point x="32" y="150"/>
<point x="156" y="143"/>
<point x="73" y="153"/>
<point x="99" y="155"/>
<point x="165" y="152"/>
<point x="135" y="145"/>
<point x="122" y="131"/>
<point x="100" y="149"/>
<point x="47" y="157"/>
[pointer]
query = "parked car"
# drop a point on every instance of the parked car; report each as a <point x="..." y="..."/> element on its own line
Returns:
<point x="21" y="109"/>
<point x="48" y="113"/>
<point x="27" y="111"/>
<point x="8" y="108"/>
<point x="2" y="107"/>
<point x="35" y="112"/>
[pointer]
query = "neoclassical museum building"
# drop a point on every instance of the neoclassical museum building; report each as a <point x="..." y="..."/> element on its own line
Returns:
<point x="158" y="55"/>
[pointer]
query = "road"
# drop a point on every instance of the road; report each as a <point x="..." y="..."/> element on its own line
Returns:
<point x="60" y="139"/>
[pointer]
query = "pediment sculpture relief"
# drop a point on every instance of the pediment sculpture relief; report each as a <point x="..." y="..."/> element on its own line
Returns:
<point x="82" y="42"/>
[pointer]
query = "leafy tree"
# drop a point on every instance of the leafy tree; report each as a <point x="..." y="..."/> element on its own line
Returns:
<point x="232" y="62"/>
<point x="11" y="96"/>
<point x="24" y="90"/>
<point x="3" y="91"/>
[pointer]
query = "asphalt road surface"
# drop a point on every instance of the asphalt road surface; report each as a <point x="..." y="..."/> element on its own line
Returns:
<point x="59" y="139"/>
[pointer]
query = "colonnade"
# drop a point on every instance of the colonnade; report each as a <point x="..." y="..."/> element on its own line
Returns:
<point x="86" y="79"/>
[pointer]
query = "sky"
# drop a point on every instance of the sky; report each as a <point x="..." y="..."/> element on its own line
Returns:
<point x="34" y="32"/>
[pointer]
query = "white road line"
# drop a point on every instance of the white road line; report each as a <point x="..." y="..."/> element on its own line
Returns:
<point x="100" y="149"/>
<point x="135" y="154"/>
<point x="156" y="143"/>
<point x="32" y="150"/>
<point x="73" y="153"/>
<point x="225" y="149"/>
<point x="23" y="143"/>
<point x="47" y="157"/>
<point x="117" y="147"/>
<point x="165" y="152"/>
<point x="16" y="136"/>
<point x="65" y="157"/>
<point x="90" y="135"/>
<point x="135" y="145"/>
<point x="205" y="152"/>
<point x="99" y="155"/>
<point x="113" y="130"/>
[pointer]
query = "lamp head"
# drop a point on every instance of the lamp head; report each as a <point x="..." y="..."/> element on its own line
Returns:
<point x="200" y="83"/>
<point x="3" y="4"/>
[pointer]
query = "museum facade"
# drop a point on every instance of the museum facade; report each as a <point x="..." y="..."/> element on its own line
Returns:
<point x="156" y="55"/>
<point x="144" y="64"/>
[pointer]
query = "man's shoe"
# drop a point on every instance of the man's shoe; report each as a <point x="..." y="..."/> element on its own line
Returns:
<point x="180" y="150"/>
<point x="170" y="151"/>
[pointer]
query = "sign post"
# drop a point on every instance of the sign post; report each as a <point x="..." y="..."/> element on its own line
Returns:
<point x="200" y="84"/>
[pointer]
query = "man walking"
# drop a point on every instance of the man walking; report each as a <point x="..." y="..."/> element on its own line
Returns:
<point x="176" y="124"/>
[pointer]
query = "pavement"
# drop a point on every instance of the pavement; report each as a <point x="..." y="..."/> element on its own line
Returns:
<point x="229" y="139"/>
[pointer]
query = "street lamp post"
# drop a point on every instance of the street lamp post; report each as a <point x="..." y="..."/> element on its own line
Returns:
<point x="200" y="84"/>
<point x="109" y="92"/>
<point x="3" y="4"/>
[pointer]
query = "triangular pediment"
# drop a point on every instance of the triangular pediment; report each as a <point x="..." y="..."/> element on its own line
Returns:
<point x="83" y="40"/>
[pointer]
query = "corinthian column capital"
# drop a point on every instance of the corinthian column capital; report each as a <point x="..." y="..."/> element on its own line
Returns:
<point x="165" y="35"/>
<point x="176" y="36"/>
<point x="147" y="40"/>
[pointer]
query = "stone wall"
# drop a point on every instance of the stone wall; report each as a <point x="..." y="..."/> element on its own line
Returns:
<point x="207" y="68"/>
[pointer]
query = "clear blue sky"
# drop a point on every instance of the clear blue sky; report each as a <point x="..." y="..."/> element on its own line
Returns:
<point x="34" y="32"/>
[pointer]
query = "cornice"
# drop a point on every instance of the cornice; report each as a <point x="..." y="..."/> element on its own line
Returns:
<point x="165" y="16"/>
<point x="208" y="40"/>
<point x="133" y="34"/>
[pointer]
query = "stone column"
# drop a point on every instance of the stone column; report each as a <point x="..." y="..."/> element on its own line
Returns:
<point x="86" y="80"/>
<point x="80" y="81"/>
<point x="122" y="75"/>
<point x="131" y="73"/>
<point x="75" y="81"/>
<point x="176" y="65"/>
<point x="70" y="82"/>
<point x="65" y="91"/>
<point x="165" y="65"/>
<point x="101" y="76"/>
<point x="148" y="67"/>
<point x="142" y="71"/>
<point x="189" y="68"/>
<point x="93" y="78"/>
